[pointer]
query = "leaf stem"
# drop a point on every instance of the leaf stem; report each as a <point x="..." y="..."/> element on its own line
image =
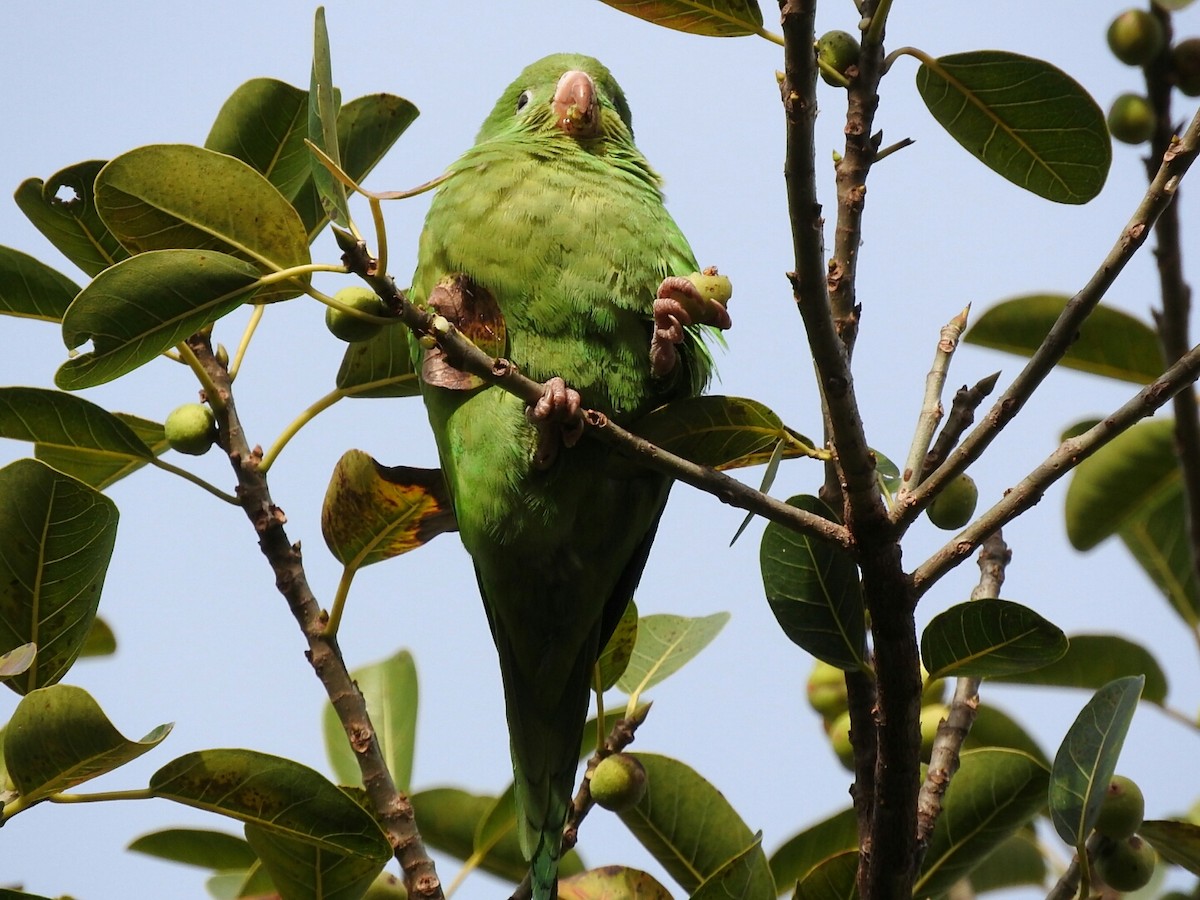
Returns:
<point x="103" y="796"/>
<point x="339" y="601"/>
<point x="211" y="393"/>
<point x="196" y="480"/>
<point x="296" y="424"/>
<point x="256" y="315"/>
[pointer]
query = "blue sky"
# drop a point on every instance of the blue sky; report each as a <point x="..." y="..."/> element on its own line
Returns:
<point x="205" y="641"/>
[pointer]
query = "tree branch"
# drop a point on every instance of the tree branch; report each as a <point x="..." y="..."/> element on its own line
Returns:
<point x="392" y="809"/>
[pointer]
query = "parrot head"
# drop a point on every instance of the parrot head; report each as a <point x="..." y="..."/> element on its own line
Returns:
<point x="566" y="93"/>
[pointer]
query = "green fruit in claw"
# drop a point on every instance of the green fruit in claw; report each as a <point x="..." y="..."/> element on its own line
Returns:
<point x="618" y="782"/>
<point x="713" y="285"/>
<point x="1135" y="37"/>
<point x="191" y="429"/>
<point x="1125" y="865"/>
<point x="1185" y="60"/>
<point x="955" y="505"/>
<point x="827" y="690"/>
<point x="1122" y="809"/>
<point x="1131" y="119"/>
<point x="349" y="327"/>
<point x="839" y="50"/>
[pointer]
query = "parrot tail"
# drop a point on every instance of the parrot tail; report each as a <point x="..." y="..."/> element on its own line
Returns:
<point x="543" y="868"/>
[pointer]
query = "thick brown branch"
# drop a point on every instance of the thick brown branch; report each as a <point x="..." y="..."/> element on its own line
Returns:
<point x="392" y="809"/>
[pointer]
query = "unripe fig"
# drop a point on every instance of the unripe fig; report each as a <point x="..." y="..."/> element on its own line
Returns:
<point x="827" y="690"/>
<point x="1122" y="810"/>
<point x="349" y="327"/>
<point x="1185" y="60"/>
<point x="386" y="887"/>
<point x="1131" y="119"/>
<point x="618" y="782"/>
<point x="839" y="50"/>
<point x="713" y="285"/>
<point x="839" y="739"/>
<point x="1125" y="865"/>
<point x="191" y="429"/>
<point x="931" y="718"/>
<point x="1135" y="37"/>
<point x="955" y="505"/>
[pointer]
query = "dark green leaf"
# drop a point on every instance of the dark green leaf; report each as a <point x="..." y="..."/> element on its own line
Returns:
<point x="1087" y="758"/>
<point x="58" y="737"/>
<point x="687" y="824"/>
<point x="390" y="689"/>
<point x="745" y="877"/>
<point x="1128" y="474"/>
<point x="56" y="420"/>
<point x="985" y="638"/>
<point x="716" y="18"/>
<point x="808" y="849"/>
<point x="722" y="432"/>
<point x="664" y="644"/>
<point x="1157" y="536"/>
<point x="995" y="792"/>
<point x="1093" y="660"/>
<point x="196" y="847"/>
<point x="303" y="870"/>
<point x="322" y="124"/>
<point x="100" y="469"/>
<point x="813" y="590"/>
<point x="147" y="304"/>
<point x="30" y="288"/>
<point x="381" y="366"/>
<point x="1110" y="342"/>
<point x="57" y="536"/>
<point x="100" y="640"/>
<point x="275" y="794"/>
<point x="833" y="878"/>
<point x="995" y="728"/>
<point x="1022" y="118"/>
<point x="180" y="197"/>
<point x="1176" y="842"/>
<point x="64" y="211"/>
<point x="614" y="659"/>
<point x="1017" y="862"/>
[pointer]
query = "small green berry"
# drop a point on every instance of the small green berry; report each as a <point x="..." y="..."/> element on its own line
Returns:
<point x="1185" y="61"/>
<point x="839" y="738"/>
<point x="1135" y="37"/>
<point x="1131" y="119"/>
<point x="1122" y="809"/>
<point x="618" y="782"/>
<point x="349" y="327"/>
<point x="839" y="50"/>
<point x="955" y="505"/>
<point x="931" y="718"/>
<point x="1125" y="865"/>
<point x="191" y="429"/>
<point x="386" y="887"/>
<point x="827" y="690"/>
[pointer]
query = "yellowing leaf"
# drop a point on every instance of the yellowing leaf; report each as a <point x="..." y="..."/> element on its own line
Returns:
<point x="715" y="18"/>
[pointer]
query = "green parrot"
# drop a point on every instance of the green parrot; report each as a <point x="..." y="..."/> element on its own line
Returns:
<point x="551" y="238"/>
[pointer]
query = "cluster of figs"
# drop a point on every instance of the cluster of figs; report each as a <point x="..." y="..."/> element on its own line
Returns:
<point x="1137" y="38"/>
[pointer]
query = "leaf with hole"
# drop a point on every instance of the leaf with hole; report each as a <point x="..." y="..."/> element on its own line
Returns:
<point x="1023" y="118"/>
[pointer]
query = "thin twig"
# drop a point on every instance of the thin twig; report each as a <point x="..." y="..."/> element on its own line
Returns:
<point x="962" y="414"/>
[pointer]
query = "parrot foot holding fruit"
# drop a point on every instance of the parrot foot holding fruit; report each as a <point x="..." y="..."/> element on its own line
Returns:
<point x="556" y="418"/>
<point x="696" y="299"/>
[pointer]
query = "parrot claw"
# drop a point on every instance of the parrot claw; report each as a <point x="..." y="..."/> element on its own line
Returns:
<point x="680" y="303"/>
<point x="556" y="418"/>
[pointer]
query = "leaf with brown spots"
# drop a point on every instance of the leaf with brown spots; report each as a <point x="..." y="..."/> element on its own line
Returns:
<point x="374" y="512"/>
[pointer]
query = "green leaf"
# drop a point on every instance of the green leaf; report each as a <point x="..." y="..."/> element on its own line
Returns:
<point x="614" y="659"/>
<point x="17" y="660"/>
<point x="1176" y="842"/>
<point x="612" y="883"/>
<point x="56" y="540"/>
<point x="1128" y="474"/>
<point x="1017" y="862"/>
<point x="985" y="638"/>
<point x="1110" y="342"/>
<point x="241" y="883"/>
<point x="995" y="728"/>
<point x="1023" y="118"/>
<point x="31" y="289"/>
<point x="745" y="877"/>
<point x="100" y="469"/>
<point x="100" y="640"/>
<point x="275" y="794"/>
<point x="688" y="825"/>
<point x="664" y="644"/>
<point x="58" y="737"/>
<point x="834" y="878"/>
<point x="1093" y="660"/>
<point x="58" y="421"/>
<point x="390" y="689"/>
<point x="181" y="197"/>
<point x="802" y="853"/>
<point x="715" y="18"/>
<point x="995" y="792"/>
<point x="1157" y="536"/>
<point x="7" y="894"/>
<point x="1087" y="758"/>
<point x="374" y="512"/>
<point x="145" y="305"/>
<point x="381" y="366"/>
<point x="813" y="590"/>
<point x="301" y="870"/>
<point x="322" y="124"/>
<point x="722" y="432"/>
<point x="64" y="211"/>
<point x="196" y="847"/>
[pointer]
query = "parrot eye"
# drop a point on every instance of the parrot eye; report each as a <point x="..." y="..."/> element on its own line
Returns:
<point x="524" y="99"/>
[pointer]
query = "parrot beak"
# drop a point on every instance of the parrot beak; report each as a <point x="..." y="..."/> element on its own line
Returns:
<point x="576" y="111"/>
